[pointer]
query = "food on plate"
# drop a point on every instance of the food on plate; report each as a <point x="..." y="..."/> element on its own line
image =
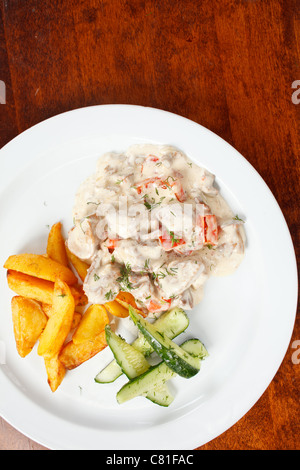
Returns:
<point x="181" y="362"/>
<point x="151" y="223"/>
<point x="56" y="371"/>
<point x="73" y="355"/>
<point x="171" y="323"/>
<point x="29" y="321"/>
<point x="39" y="289"/>
<point x="134" y="364"/>
<point x="60" y="322"/>
<point x="40" y="266"/>
<point x="56" y="246"/>
<point x="150" y="227"/>
<point x="91" y="324"/>
<point x="80" y="266"/>
<point x="117" y="309"/>
<point x="150" y="381"/>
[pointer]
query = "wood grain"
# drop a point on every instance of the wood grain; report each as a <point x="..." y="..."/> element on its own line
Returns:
<point x="227" y="65"/>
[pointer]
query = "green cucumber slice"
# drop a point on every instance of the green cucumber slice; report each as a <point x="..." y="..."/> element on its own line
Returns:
<point x="131" y="361"/>
<point x="172" y="323"/>
<point x="195" y="348"/>
<point x="156" y="377"/>
<point x="181" y="362"/>
<point x="133" y="364"/>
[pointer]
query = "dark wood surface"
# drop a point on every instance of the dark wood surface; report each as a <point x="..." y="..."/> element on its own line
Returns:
<point x="228" y="65"/>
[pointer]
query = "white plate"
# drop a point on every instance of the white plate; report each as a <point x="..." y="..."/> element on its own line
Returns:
<point x="245" y="320"/>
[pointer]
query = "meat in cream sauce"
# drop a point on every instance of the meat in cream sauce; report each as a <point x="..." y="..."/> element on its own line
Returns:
<point x="151" y="222"/>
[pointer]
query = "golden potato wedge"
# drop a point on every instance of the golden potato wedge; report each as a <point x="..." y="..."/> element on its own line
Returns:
<point x="92" y="323"/>
<point x="116" y="309"/>
<point x="79" y="296"/>
<point x="39" y="289"/>
<point x="73" y="355"/>
<point x="76" y="320"/>
<point x="80" y="266"/>
<point x="60" y="322"/>
<point x="29" y="322"/>
<point x="55" y="372"/>
<point x="41" y="267"/>
<point x="30" y="287"/>
<point x="47" y="309"/>
<point x="56" y="248"/>
<point x="126" y="299"/>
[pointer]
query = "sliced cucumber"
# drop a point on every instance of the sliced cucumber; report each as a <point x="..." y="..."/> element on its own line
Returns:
<point x="195" y="348"/>
<point x="171" y="323"/>
<point x="131" y="361"/>
<point x="133" y="364"/>
<point x="160" y="395"/>
<point x="156" y="377"/>
<point x="181" y="362"/>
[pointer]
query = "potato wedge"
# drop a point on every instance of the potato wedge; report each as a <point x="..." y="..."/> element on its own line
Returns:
<point x="30" y="287"/>
<point x="116" y="309"/>
<point x="39" y="289"/>
<point x="80" y="266"/>
<point x="60" y="322"/>
<point x="29" y="322"/>
<point x="41" y="267"/>
<point x="73" y="355"/>
<point x="56" y="248"/>
<point x="92" y="323"/>
<point x="47" y="309"/>
<point x="55" y="372"/>
<point x="126" y="299"/>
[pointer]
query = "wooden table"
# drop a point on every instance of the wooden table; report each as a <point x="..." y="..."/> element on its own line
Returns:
<point x="228" y="65"/>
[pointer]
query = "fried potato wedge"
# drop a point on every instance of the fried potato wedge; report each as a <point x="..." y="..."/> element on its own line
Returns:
<point x="30" y="287"/>
<point x="116" y="309"/>
<point x="39" y="289"/>
<point x="41" y="267"/>
<point x="56" y="248"/>
<point x="29" y="322"/>
<point x="73" y="355"/>
<point x="80" y="266"/>
<point x="92" y="323"/>
<point x="56" y="372"/>
<point x="126" y="299"/>
<point x="47" y="309"/>
<point x="60" y="322"/>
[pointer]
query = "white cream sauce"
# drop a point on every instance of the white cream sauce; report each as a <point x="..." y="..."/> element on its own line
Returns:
<point x="151" y="222"/>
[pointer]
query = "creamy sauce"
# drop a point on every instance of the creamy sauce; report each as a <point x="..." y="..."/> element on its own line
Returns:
<point x="151" y="222"/>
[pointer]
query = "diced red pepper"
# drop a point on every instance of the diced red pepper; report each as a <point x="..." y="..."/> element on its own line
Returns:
<point x="111" y="245"/>
<point x="145" y="184"/>
<point x="208" y="229"/>
<point x="169" y="242"/>
<point x="211" y="230"/>
<point x="156" y="306"/>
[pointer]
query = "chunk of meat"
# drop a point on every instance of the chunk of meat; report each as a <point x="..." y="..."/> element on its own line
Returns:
<point x="81" y="240"/>
<point x="101" y="282"/>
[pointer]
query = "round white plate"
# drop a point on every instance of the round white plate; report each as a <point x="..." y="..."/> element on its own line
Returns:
<point x="245" y="320"/>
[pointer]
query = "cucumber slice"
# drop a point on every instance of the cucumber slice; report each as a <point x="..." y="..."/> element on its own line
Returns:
<point x="160" y="395"/>
<point x="156" y="377"/>
<point x="133" y="364"/>
<point x="131" y="361"/>
<point x="181" y="362"/>
<point x="171" y="323"/>
<point x="195" y="348"/>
